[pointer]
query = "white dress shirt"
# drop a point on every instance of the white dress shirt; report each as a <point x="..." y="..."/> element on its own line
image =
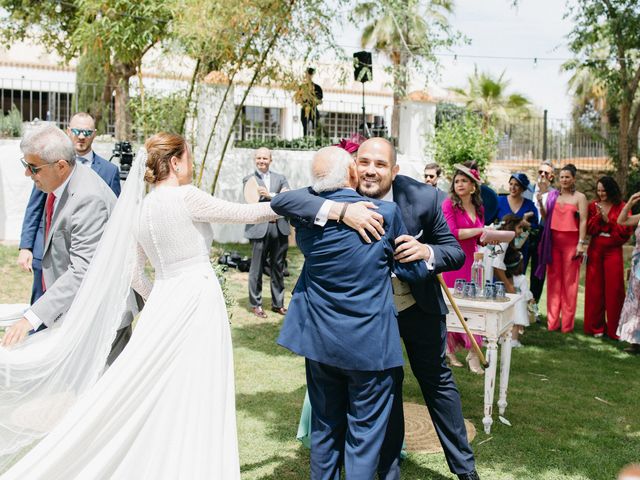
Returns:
<point x="86" y="159"/>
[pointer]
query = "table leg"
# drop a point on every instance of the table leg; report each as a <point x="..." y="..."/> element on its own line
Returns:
<point x="490" y="383"/>
<point x="505" y="366"/>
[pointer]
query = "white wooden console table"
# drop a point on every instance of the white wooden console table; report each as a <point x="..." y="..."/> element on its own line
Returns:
<point x="492" y="320"/>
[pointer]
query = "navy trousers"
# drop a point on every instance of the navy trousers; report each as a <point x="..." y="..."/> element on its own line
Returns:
<point x="425" y="339"/>
<point x="350" y="412"/>
<point x="36" y="289"/>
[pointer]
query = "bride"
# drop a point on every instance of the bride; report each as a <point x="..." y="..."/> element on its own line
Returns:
<point x="165" y="409"/>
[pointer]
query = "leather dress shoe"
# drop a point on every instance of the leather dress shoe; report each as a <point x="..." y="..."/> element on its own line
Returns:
<point x="469" y="476"/>
<point x="259" y="312"/>
<point x="280" y="310"/>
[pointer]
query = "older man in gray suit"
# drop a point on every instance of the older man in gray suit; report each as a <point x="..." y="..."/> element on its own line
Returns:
<point x="77" y="208"/>
<point x="270" y="238"/>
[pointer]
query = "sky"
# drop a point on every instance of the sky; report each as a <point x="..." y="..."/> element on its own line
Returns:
<point x="534" y="29"/>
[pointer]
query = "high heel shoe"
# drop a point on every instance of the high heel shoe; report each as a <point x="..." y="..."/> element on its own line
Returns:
<point x="453" y="360"/>
<point x="474" y="363"/>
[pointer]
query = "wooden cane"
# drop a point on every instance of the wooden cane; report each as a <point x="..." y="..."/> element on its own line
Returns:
<point x="474" y="344"/>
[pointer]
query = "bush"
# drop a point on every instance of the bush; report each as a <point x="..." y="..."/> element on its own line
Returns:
<point x="162" y="113"/>
<point x="462" y="139"/>
<point x="304" y="143"/>
<point x="11" y="123"/>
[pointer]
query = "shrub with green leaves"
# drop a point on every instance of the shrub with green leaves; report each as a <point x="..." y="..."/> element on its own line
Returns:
<point x="461" y="139"/>
<point x="157" y="113"/>
<point x="11" y="123"/>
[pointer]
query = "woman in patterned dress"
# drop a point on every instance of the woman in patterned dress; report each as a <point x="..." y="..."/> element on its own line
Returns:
<point x="629" y="326"/>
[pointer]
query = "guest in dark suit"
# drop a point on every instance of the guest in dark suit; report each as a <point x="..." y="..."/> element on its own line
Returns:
<point x="342" y="319"/>
<point x="267" y="239"/>
<point x="82" y="132"/>
<point x="432" y="172"/>
<point x="423" y="324"/>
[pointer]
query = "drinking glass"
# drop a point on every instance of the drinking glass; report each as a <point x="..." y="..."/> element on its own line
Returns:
<point x="501" y="292"/>
<point x="470" y="290"/>
<point x="458" y="289"/>
<point x="489" y="291"/>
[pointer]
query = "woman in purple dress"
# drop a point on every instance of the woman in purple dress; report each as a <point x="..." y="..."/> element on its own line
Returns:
<point x="464" y="214"/>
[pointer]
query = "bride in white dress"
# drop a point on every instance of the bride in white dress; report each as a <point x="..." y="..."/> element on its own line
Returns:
<point x="165" y="409"/>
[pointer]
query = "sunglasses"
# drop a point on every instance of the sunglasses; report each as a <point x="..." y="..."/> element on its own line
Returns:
<point x="87" y="132"/>
<point x="543" y="173"/>
<point x="429" y="176"/>
<point x="35" y="170"/>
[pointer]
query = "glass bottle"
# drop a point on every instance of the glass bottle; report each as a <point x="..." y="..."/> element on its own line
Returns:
<point x="477" y="272"/>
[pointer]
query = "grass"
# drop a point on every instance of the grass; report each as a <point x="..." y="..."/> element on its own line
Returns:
<point x="559" y="429"/>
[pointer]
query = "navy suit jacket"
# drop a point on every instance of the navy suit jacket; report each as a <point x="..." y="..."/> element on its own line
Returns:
<point x="32" y="236"/>
<point x="342" y="311"/>
<point x="423" y="218"/>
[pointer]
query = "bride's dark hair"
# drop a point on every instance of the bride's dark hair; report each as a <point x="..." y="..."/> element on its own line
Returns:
<point x="160" y="148"/>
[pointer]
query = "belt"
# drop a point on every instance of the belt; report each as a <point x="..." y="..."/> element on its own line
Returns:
<point x="273" y="221"/>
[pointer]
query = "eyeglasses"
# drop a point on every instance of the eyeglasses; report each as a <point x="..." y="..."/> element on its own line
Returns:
<point x="35" y="170"/>
<point x="429" y="176"/>
<point x="87" y="132"/>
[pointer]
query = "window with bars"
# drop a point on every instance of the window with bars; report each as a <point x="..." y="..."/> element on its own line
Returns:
<point x="259" y="123"/>
<point x="343" y="125"/>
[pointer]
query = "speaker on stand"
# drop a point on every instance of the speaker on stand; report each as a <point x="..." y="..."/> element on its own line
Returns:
<point x="363" y="72"/>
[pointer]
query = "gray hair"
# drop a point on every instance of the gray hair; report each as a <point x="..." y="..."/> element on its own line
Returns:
<point x="335" y="172"/>
<point x="50" y="144"/>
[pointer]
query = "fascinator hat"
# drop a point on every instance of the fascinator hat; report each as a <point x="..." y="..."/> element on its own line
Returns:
<point x="472" y="173"/>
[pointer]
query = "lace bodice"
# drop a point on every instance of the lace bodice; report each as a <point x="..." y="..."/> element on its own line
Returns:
<point x="175" y="228"/>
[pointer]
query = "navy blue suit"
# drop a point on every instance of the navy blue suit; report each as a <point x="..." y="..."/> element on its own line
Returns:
<point x="342" y="318"/>
<point x="32" y="236"/>
<point x="422" y="326"/>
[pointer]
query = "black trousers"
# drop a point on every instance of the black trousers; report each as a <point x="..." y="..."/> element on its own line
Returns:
<point x="275" y="247"/>
<point x="535" y="284"/>
<point x="425" y="339"/>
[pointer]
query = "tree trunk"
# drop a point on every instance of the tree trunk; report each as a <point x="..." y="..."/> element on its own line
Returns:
<point x="121" y="74"/>
<point x="624" y="152"/>
<point x="399" y="87"/>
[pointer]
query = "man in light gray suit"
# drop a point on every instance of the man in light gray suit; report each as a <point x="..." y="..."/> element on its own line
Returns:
<point x="77" y="208"/>
<point x="271" y="238"/>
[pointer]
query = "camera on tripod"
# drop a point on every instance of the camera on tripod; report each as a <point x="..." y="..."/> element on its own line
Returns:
<point x="124" y="152"/>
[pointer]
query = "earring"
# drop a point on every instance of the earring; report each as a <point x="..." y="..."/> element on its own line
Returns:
<point x="177" y="169"/>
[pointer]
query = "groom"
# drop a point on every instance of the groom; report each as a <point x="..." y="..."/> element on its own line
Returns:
<point x="422" y="319"/>
<point x="77" y="208"/>
<point x="342" y="319"/>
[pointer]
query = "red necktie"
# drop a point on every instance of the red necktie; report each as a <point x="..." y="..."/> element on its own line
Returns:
<point x="48" y="213"/>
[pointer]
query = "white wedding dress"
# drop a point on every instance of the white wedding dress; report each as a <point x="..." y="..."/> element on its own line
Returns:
<point x="165" y="409"/>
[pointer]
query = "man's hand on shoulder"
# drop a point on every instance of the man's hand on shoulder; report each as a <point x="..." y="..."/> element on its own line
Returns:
<point x="16" y="333"/>
<point x="362" y="217"/>
<point x="408" y="249"/>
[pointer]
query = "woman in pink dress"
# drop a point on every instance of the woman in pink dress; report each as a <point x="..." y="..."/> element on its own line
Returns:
<point x="464" y="214"/>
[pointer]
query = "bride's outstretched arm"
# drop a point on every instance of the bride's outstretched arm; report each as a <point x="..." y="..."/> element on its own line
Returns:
<point x="204" y="208"/>
<point x="140" y="282"/>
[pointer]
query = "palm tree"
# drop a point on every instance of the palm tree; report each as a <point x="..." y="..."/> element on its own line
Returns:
<point x="589" y="93"/>
<point x="401" y="31"/>
<point x="488" y="96"/>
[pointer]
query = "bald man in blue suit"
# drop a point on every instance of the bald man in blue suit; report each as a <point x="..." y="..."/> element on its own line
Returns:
<point x="342" y="319"/>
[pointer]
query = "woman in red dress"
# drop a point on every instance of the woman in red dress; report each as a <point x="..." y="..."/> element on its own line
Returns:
<point x="605" y="271"/>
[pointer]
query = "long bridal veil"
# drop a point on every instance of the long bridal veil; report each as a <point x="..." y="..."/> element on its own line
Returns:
<point x="43" y="377"/>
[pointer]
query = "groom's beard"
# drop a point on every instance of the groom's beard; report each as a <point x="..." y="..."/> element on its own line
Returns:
<point x="373" y="187"/>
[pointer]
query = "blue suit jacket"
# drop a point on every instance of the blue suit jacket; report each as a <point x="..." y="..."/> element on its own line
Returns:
<point x="342" y="312"/>
<point x="423" y="218"/>
<point x="32" y="236"/>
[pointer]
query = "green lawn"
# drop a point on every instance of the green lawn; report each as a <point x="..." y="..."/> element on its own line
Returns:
<point x="559" y="429"/>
